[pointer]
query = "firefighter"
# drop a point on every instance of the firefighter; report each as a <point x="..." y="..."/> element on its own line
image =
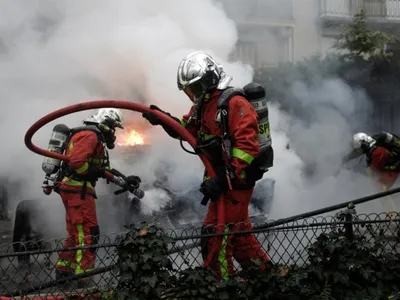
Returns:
<point x="382" y="151"/>
<point x="203" y="81"/>
<point x="88" y="161"/>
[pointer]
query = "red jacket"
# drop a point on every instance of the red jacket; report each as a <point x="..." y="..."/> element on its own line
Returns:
<point x="380" y="162"/>
<point x="243" y="129"/>
<point x="83" y="149"/>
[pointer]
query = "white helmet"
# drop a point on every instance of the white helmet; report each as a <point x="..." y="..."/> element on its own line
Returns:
<point x="110" y="117"/>
<point x="362" y="142"/>
<point x="198" y="74"/>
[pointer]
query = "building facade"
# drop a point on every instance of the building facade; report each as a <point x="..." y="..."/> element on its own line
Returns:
<point x="273" y="31"/>
<point x="381" y="15"/>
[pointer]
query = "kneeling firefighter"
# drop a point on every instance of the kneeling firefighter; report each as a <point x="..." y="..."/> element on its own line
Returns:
<point x="75" y="181"/>
<point x="230" y="134"/>
<point x="383" y="155"/>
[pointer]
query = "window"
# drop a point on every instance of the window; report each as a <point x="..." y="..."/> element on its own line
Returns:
<point x="373" y="8"/>
<point x="281" y="10"/>
<point x="246" y="52"/>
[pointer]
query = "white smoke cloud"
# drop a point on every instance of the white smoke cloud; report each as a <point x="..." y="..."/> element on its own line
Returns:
<point x="56" y="53"/>
<point x="319" y="136"/>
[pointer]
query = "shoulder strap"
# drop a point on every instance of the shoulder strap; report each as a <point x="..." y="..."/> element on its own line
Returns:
<point x="222" y="106"/>
<point x="226" y="95"/>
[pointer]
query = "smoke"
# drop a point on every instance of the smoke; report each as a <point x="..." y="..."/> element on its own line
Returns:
<point x="309" y="150"/>
<point x="56" y="53"/>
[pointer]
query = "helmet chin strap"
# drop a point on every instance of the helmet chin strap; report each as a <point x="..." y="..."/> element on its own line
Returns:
<point x="198" y="101"/>
<point x="109" y="135"/>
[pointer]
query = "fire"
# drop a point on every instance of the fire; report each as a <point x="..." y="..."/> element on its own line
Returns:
<point x="130" y="137"/>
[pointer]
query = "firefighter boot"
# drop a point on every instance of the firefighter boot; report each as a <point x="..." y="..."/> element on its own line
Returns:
<point x="61" y="275"/>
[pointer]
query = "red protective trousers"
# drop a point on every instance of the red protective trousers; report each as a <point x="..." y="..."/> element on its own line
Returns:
<point x="83" y="230"/>
<point x="218" y="251"/>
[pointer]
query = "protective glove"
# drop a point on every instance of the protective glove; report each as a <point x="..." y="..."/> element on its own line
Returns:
<point x="214" y="187"/>
<point x="152" y="118"/>
<point x="133" y="181"/>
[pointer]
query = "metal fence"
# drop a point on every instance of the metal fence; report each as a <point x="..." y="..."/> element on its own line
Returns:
<point x="32" y="272"/>
<point x="385" y="9"/>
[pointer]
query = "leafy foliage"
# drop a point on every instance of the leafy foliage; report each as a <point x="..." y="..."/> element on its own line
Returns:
<point x="362" y="42"/>
<point x="365" y="59"/>
<point x="143" y="263"/>
<point x="341" y="264"/>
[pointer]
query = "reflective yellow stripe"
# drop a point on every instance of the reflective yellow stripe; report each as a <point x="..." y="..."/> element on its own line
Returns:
<point x="65" y="263"/>
<point x="79" y="252"/>
<point x="222" y="256"/>
<point x="71" y="146"/>
<point x="205" y="136"/>
<point x="96" y="160"/>
<point x="242" y="155"/>
<point x="390" y="167"/>
<point x="183" y="123"/>
<point x="83" y="168"/>
<point x="73" y="182"/>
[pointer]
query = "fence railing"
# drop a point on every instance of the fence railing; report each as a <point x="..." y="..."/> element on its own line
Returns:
<point x="31" y="270"/>
<point x="385" y="9"/>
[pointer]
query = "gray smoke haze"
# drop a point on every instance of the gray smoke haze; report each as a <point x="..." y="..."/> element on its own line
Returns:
<point x="57" y="53"/>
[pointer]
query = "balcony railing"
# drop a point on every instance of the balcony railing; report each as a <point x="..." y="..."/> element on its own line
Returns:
<point x="377" y="9"/>
<point x="259" y="10"/>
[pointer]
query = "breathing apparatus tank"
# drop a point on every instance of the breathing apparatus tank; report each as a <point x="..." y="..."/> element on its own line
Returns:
<point x="57" y="144"/>
<point x="257" y="96"/>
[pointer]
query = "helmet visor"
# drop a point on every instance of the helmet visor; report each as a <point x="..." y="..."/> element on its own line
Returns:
<point x="195" y="90"/>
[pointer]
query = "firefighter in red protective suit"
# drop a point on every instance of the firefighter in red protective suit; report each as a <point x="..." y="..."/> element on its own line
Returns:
<point x="203" y="80"/>
<point x="88" y="160"/>
<point x="382" y="151"/>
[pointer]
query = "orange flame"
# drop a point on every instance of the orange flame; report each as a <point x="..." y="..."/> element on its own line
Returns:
<point x="130" y="137"/>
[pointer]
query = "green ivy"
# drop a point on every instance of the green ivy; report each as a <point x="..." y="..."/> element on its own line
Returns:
<point x="143" y="263"/>
<point x="341" y="264"/>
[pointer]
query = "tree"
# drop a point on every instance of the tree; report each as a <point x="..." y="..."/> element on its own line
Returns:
<point x="359" y="41"/>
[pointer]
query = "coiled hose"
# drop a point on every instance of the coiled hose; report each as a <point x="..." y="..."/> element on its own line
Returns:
<point x="132" y="106"/>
